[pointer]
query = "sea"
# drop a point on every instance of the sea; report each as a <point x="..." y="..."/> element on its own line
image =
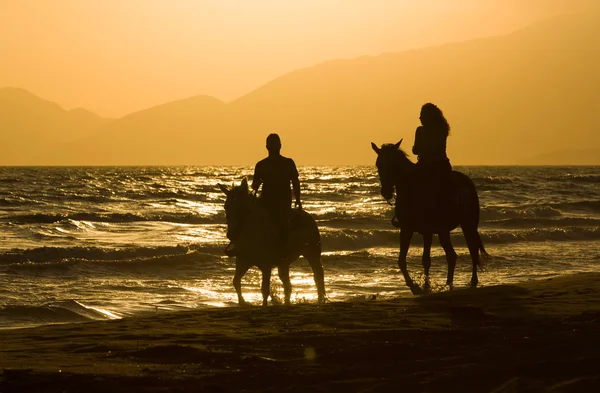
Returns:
<point x="98" y="243"/>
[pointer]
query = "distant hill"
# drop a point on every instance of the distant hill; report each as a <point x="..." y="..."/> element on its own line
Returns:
<point x="184" y="132"/>
<point x="33" y="128"/>
<point x="566" y="157"/>
<point x="507" y="99"/>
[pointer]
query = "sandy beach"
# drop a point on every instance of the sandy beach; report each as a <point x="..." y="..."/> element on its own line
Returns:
<point x="536" y="336"/>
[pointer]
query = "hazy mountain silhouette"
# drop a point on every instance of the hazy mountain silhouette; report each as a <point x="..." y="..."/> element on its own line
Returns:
<point x="33" y="128"/>
<point x="507" y="99"/>
<point x="180" y="132"/>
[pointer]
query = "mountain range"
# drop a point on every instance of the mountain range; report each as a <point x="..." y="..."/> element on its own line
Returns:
<point x="508" y="99"/>
<point x="34" y="129"/>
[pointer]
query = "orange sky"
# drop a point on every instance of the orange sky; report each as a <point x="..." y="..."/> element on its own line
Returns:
<point x="118" y="56"/>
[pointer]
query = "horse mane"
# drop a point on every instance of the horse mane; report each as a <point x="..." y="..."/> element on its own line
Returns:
<point x="242" y="191"/>
<point x="391" y="147"/>
<point x="394" y="150"/>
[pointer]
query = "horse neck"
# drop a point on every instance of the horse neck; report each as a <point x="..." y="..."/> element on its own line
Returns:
<point x="257" y="221"/>
<point x="402" y="168"/>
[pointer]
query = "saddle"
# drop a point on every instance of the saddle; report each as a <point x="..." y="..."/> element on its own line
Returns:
<point x="281" y="232"/>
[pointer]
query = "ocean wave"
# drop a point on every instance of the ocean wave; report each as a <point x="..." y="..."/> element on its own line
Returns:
<point x="585" y="206"/>
<point x="333" y="179"/>
<point x="181" y="218"/>
<point x="542" y="235"/>
<point x="199" y="194"/>
<point x="170" y="266"/>
<point x="53" y="254"/>
<point x="90" y="198"/>
<point x="576" y="178"/>
<point x="521" y="222"/>
<point x="10" y="201"/>
<point x="58" y="312"/>
<point x="496" y="213"/>
<point x="352" y="221"/>
<point x="355" y="239"/>
<point x="492" y="180"/>
<point x="348" y="239"/>
<point x="331" y="239"/>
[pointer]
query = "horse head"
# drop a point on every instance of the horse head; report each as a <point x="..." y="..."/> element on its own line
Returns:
<point x="391" y="163"/>
<point x="237" y="207"/>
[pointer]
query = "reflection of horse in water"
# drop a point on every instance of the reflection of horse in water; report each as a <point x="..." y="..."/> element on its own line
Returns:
<point x="461" y="207"/>
<point x="255" y="236"/>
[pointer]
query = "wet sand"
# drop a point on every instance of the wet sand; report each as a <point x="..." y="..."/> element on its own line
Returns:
<point x="532" y="337"/>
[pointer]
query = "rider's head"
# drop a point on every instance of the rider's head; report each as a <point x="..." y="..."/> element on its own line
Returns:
<point x="432" y="116"/>
<point x="273" y="144"/>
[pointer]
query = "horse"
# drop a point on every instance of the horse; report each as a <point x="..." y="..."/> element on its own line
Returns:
<point x="396" y="173"/>
<point x="255" y="237"/>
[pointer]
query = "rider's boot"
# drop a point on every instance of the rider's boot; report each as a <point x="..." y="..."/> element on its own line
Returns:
<point x="231" y="250"/>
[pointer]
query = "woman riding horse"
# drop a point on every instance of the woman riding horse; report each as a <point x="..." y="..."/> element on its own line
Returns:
<point x="431" y="198"/>
<point x="433" y="167"/>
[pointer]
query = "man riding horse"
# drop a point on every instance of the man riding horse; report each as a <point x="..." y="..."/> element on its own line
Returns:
<point x="266" y="232"/>
<point x="275" y="173"/>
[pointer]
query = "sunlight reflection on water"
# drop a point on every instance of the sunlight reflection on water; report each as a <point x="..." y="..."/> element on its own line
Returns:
<point x="136" y="240"/>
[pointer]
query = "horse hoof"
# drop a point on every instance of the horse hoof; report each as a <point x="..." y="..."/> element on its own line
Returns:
<point x="427" y="285"/>
<point x="416" y="290"/>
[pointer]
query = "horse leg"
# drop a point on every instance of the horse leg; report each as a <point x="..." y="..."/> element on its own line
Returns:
<point x="473" y="242"/>
<point x="405" y="237"/>
<point x="317" y="267"/>
<point x="240" y="270"/>
<point x="265" y="288"/>
<point x="426" y="259"/>
<point x="284" y="274"/>
<point x="450" y="256"/>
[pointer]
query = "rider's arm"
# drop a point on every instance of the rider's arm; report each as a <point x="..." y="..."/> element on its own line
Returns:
<point x="295" y="184"/>
<point x="256" y="179"/>
<point x="418" y="137"/>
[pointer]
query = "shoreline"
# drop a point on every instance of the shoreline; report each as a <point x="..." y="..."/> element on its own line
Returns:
<point x="538" y="335"/>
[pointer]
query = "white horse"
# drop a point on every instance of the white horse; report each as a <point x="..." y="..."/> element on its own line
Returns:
<point x="255" y="237"/>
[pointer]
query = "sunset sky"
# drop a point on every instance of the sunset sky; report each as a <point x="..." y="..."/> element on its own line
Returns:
<point x="115" y="57"/>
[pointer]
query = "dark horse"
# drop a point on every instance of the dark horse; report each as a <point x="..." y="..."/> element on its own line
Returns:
<point x="396" y="172"/>
<point x="249" y="225"/>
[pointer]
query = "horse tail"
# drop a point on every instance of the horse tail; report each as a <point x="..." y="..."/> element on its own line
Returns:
<point x="470" y="215"/>
<point x="483" y="254"/>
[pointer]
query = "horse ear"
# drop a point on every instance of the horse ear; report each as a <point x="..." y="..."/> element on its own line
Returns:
<point x="244" y="183"/>
<point x="225" y="190"/>
<point x="374" y="146"/>
<point x="398" y="144"/>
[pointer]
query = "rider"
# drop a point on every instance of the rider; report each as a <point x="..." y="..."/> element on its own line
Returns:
<point x="275" y="173"/>
<point x="433" y="166"/>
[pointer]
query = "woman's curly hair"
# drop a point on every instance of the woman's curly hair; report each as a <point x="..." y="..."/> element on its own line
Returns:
<point x="431" y="115"/>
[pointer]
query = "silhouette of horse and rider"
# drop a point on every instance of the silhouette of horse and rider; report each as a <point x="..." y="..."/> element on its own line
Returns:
<point x="265" y="231"/>
<point x="430" y="197"/>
